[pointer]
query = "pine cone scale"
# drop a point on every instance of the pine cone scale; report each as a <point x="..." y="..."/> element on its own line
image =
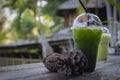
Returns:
<point x="75" y="63"/>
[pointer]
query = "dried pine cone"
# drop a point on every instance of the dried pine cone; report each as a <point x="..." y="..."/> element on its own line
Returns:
<point x="72" y="63"/>
<point x="50" y="62"/>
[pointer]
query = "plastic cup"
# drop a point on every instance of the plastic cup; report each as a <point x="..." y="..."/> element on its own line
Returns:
<point x="103" y="47"/>
<point x="86" y="35"/>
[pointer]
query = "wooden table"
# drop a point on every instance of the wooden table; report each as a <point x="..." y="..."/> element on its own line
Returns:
<point x="109" y="70"/>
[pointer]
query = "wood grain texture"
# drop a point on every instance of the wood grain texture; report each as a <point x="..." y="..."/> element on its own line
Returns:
<point x="109" y="70"/>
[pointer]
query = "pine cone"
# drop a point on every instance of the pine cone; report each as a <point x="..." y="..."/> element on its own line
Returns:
<point x="50" y="62"/>
<point x="72" y="63"/>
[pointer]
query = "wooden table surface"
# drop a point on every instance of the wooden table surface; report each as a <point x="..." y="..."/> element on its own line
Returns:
<point x="109" y="70"/>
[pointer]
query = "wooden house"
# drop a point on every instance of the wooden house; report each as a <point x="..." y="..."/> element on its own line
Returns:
<point x="68" y="10"/>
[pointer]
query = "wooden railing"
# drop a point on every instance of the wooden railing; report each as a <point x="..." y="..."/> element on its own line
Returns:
<point x="29" y="52"/>
<point x="20" y="54"/>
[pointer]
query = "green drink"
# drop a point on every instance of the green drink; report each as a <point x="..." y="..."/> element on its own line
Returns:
<point x="87" y="33"/>
<point x="103" y="47"/>
<point x="87" y="40"/>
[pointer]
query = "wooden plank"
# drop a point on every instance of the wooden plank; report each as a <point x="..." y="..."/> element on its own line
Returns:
<point x="15" y="46"/>
<point x="20" y="67"/>
<point x="109" y="70"/>
<point x="19" y="74"/>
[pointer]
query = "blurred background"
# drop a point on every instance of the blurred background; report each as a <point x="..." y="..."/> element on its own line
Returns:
<point x="31" y="29"/>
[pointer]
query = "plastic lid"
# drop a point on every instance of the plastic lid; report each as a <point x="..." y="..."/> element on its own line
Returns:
<point x="89" y="20"/>
<point x="85" y="20"/>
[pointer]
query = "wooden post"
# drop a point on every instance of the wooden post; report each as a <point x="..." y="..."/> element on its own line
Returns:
<point x="115" y="25"/>
<point x="46" y="48"/>
<point x="110" y="26"/>
<point x="23" y="60"/>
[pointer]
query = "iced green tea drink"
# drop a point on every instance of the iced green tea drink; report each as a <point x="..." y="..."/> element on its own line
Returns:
<point x="103" y="47"/>
<point x="86" y="36"/>
<point x="87" y="40"/>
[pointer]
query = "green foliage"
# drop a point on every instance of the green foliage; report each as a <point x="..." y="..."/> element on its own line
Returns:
<point x="21" y="5"/>
<point x="27" y="22"/>
<point x="26" y="50"/>
<point x="59" y="24"/>
<point x="22" y="25"/>
<point x="50" y="9"/>
<point x="52" y="25"/>
<point x="80" y="10"/>
<point x="27" y="26"/>
<point x="48" y="22"/>
<point x="2" y="36"/>
<point x="117" y="5"/>
<point x="33" y="51"/>
<point x="2" y="21"/>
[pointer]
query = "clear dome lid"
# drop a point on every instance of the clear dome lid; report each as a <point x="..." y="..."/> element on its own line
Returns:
<point x="86" y="19"/>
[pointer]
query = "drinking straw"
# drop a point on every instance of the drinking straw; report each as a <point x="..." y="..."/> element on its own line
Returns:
<point x="86" y="10"/>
